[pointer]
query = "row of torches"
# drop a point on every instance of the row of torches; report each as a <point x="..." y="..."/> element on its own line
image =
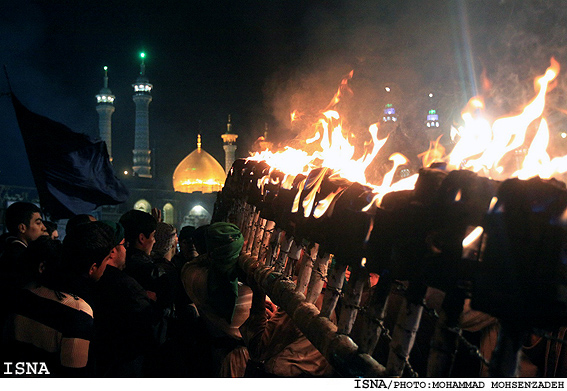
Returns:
<point x="501" y="244"/>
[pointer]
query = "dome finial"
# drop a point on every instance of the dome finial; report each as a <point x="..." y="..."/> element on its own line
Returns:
<point x="199" y="141"/>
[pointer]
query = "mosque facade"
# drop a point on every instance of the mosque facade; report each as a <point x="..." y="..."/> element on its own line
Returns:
<point x="188" y="198"/>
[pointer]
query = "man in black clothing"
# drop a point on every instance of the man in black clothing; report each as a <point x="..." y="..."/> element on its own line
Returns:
<point x="25" y="224"/>
<point x="139" y="231"/>
<point x="125" y="318"/>
<point x="85" y="249"/>
<point x="187" y="251"/>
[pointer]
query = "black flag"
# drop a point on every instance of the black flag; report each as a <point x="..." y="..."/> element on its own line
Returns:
<point x="73" y="174"/>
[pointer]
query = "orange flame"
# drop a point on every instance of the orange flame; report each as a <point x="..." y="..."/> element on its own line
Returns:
<point x="482" y="147"/>
<point x="335" y="156"/>
<point x="435" y="153"/>
<point x="387" y="186"/>
<point x="295" y="115"/>
<point x="340" y="92"/>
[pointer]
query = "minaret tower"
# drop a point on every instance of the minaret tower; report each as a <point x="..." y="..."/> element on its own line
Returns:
<point x="142" y="99"/>
<point x="229" y="140"/>
<point x="105" y="108"/>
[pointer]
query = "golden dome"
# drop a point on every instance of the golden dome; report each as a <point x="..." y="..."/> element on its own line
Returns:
<point x="199" y="171"/>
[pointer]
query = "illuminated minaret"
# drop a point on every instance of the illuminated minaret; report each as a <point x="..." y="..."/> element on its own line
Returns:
<point x="105" y="108"/>
<point x="142" y="99"/>
<point x="432" y="116"/>
<point x="229" y="140"/>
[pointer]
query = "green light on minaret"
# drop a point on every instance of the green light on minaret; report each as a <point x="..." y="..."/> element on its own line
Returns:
<point x="142" y="65"/>
<point x="105" y="68"/>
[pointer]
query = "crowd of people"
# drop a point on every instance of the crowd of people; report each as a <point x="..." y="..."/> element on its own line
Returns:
<point x="138" y="298"/>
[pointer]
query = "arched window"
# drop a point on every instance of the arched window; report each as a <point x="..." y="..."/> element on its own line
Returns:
<point x="168" y="215"/>
<point x="143" y="205"/>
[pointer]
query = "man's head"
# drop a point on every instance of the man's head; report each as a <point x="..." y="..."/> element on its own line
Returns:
<point x="199" y="239"/>
<point x="166" y="241"/>
<point x="224" y="243"/>
<point x="139" y="229"/>
<point x="23" y="220"/>
<point x="90" y="247"/>
<point x="186" y="246"/>
<point x="41" y="262"/>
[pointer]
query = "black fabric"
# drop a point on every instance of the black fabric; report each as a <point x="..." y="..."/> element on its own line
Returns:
<point x="73" y="174"/>
<point x="127" y="324"/>
<point x="70" y="322"/>
<point x="55" y="315"/>
<point x="171" y="294"/>
<point x="81" y="286"/>
<point x="141" y="267"/>
<point x="11" y="277"/>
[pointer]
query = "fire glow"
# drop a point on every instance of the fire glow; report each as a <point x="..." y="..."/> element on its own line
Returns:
<point x="480" y="147"/>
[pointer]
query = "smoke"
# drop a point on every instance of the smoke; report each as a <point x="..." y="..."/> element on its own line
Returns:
<point x="520" y="48"/>
<point x="402" y="45"/>
<point x="441" y="47"/>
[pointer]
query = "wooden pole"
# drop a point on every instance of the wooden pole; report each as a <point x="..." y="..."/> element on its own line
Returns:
<point x="374" y="315"/>
<point x="266" y="240"/>
<point x="258" y="235"/>
<point x="405" y="331"/>
<point x="334" y="288"/>
<point x="306" y="267"/>
<point x="285" y="245"/>
<point x="353" y="293"/>
<point x="318" y="277"/>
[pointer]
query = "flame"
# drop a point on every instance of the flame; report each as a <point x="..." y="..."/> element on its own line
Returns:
<point x="387" y="186"/>
<point x="313" y="188"/>
<point x="335" y="156"/>
<point x="295" y="206"/>
<point x="537" y="161"/>
<point x="493" y="202"/>
<point x="335" y="153"/>
<point x="434" y="154"/>
<point x="458" y="196"/>
<point x="343" y="87"/>
<point x="472" y="237"/>
<point x="324" y="204"/>
<point x="482" y="147"/>
<point x="295" y="115"/>
<point x="313" y="139"/>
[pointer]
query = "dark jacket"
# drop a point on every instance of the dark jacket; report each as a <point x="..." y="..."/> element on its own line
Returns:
<point x="11" y="277"/>
<point x="127" y="324"/>
<point x="140" y="267"/>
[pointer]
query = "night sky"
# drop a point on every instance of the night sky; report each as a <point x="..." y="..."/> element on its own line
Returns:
<point x="260" y="60"/>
